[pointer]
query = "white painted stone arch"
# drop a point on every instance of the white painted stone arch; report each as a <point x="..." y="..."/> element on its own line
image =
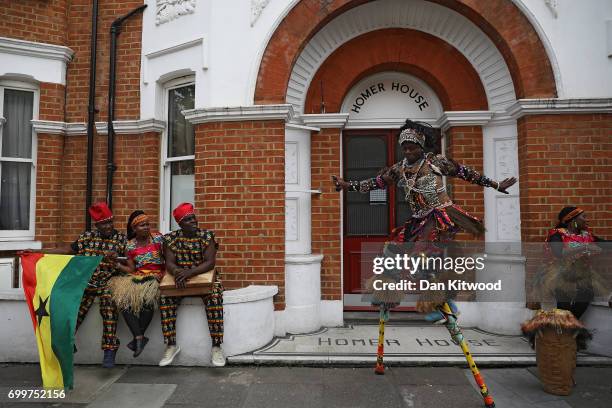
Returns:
<point x="424" y="16"/>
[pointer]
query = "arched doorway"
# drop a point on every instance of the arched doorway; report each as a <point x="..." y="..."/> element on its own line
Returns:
<point x="376" y="106"/>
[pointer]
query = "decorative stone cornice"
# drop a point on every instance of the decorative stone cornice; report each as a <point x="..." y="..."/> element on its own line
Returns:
<point x="325" y="120"/>
<point x="240" y="113"/>
<point x="35" y="49"/>
<point x="463" y="118"/>
<point x="59" y="128"/>
<point x="126" y="127"/>
<point x="168" y="10"/>
<point x="132" y="127"/>
<point x="554" y="106"/>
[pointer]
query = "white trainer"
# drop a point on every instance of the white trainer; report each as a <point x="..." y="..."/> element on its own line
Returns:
<point x="169" y="354"/>
<point x="218" y="359"/>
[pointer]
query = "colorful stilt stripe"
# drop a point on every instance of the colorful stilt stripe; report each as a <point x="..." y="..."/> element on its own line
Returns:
<point x="380" y="351"/>
<point x="457" y="336"/>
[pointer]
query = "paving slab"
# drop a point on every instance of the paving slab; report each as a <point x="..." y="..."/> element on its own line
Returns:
<point x="428" y="376"/>
<point x="438" y="396"/>
<point x="289" y="375"/>
<point x="134" y="396"/>
<point x="351" y="393"/>
<point x="282" y="395"/>
<point x="88" y="383"/>
<point x="210" y="394"/>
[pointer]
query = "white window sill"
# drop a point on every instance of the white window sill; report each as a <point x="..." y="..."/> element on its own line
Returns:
<point x="19" y="245"/>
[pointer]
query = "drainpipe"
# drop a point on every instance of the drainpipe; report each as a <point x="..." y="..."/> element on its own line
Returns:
<point x="110" y="165"/>
<point x="91" y="111"/>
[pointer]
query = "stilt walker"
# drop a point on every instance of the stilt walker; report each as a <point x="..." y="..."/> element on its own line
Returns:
<point x="435" y="218"/>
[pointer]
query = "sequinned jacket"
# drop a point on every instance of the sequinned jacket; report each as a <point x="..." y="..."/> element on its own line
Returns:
<point x="422" y="181"/>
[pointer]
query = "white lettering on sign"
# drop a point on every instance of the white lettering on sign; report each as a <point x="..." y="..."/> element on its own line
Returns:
<point x="398" y="87"/>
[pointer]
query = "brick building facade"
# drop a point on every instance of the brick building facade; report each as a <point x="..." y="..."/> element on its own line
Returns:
<point x="271" y="95"/>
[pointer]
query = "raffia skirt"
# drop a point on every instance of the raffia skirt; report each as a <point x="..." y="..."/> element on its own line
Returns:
<point x="134" y="293"/>
<point x="440" y="225"/>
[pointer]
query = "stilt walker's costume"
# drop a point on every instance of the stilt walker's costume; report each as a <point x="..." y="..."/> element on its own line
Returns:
<point x="189" y="252"/>
<point x="92" y="243"/>
<point x="435" y="218"/>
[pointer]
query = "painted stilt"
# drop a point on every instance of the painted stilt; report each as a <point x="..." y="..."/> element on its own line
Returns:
<point x="457" y="336"/>
<point x="384" y="315"/>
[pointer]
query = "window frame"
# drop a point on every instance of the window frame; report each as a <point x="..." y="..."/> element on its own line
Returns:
<point x="22" y="235"/>
<point x="166" y="162"/>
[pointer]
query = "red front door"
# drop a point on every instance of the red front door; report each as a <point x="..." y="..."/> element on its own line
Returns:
<point x="370" y="217"/>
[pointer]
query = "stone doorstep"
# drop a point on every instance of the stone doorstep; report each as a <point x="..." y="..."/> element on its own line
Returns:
<point x="354" y="361"/>
<point x="414" y="345"/>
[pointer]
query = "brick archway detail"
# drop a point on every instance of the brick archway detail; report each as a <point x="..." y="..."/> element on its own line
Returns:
<point x="504" y="24"/>
<point x="443" y="68"/>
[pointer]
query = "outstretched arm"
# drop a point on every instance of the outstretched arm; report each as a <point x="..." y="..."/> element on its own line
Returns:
<point x="384" y="179"/>
<point x="449" y="167"/>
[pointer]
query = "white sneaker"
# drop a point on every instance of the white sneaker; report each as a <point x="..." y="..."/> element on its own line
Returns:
<point x="169" y="354"/>
<point x="218" y="359"/>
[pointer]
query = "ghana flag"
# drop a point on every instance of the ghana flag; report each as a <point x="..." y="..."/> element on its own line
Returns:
<point x="54" y="286"/>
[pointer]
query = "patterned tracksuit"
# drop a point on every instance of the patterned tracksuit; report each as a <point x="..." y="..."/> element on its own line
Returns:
<point x="91" y="243"/>
<point x="190" y="252"/>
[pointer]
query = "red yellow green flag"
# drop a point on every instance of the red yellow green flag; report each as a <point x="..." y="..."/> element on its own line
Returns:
<point x="54" y="286"/>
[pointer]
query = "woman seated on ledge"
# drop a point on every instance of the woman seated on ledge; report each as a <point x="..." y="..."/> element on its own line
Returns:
<point x="136" y="292"/>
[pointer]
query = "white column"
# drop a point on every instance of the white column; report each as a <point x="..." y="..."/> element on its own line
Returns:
<point x="302" y="268"/>
<point x="503" y="235"/>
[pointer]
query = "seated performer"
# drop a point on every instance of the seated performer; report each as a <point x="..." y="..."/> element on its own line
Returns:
<point x="109" y="243"/>
<point x="569" y="275"/>
<point x="136" y="292"/>
<point x="191" y="251"/>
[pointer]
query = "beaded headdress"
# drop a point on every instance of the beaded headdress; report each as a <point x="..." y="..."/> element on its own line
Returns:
<point x="411" y="135"/>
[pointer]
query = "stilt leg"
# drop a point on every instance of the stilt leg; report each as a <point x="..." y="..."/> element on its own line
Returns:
<point x="457" y="336"/>
<point x="384" y="315"/>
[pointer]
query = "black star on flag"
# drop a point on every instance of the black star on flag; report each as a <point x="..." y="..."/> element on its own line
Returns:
<point x="42" y="309"/>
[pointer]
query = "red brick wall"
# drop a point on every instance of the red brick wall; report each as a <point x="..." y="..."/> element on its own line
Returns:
<point x="49" y="166"/>
<point x="135" y="183"/>
<point x="240" y="194"/>
<point x="564" y="160"/>
<point x="413" y="52"/>
<point x="48" y="222"/>
<point x="52" y="102"/>
<point x="127" y="100"/>
<point x="464" y="145"/>
<point x="325" y="207"/>
<point x="34" y="20"/>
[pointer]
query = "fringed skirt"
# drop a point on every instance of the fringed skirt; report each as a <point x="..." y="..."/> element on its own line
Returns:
<point x="134" y="293"/>
<point x="440" y="225"/>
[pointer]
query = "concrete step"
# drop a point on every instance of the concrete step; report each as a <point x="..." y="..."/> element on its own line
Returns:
<point x="396" y="318"/>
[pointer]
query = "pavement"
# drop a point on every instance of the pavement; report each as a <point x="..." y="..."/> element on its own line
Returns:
<point x="290" y="386"/>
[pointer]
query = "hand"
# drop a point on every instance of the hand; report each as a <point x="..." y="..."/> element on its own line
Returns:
<point x="340" y="184"/>
<point x="592" y="249"/>
<point x="110" y="257"/>
<point x="181" y="276"/>
<point x="503" y="185"/>
<point x="384" y="173"/>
